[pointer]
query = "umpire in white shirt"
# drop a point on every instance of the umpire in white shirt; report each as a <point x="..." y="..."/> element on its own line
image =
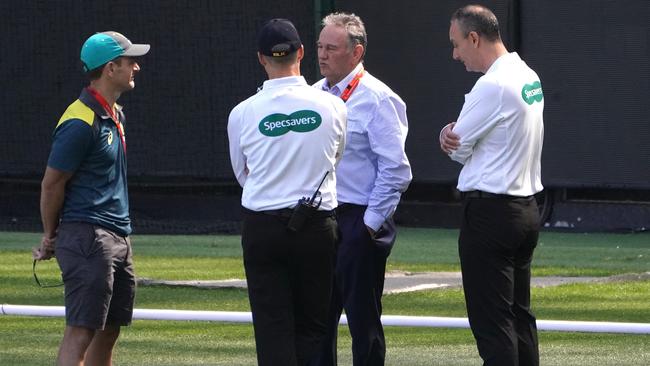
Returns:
<point x="283" y="141"/>
<point x="372" y="175"/>
<point x="498" y="139"/>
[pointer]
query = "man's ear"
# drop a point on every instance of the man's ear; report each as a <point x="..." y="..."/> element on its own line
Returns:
<point x="110" y="68"/>
<point x="474" y="38"/>
<point x="301" y="53"/>
<point x="357" y="52"/>
<point x="261" y="59"/>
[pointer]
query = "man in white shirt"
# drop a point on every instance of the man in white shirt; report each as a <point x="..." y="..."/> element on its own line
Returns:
<point x="498" y="139"/>
<point x="372" y="175"/>
<point x="285" y="142"/>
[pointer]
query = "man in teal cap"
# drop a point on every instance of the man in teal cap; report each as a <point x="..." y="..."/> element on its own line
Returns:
<point x="85" y="207"/>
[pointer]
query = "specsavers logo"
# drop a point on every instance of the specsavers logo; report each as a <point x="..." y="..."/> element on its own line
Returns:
<point x="110" y="137"/>
<point x="278" y="124"/>
<point x="532" y="92"/>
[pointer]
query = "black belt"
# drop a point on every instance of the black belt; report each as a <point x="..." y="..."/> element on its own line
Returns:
<point x="343" y="207"/>
<point x="482" y="194"/>
<point x="287" y="212"/>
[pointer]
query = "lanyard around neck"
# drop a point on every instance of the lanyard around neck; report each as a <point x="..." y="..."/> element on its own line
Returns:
<point x="347" y="92"/>
<point x="102" y="101"/>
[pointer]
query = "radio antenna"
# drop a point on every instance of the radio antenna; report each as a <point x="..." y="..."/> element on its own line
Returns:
<point x="313" y="198"/>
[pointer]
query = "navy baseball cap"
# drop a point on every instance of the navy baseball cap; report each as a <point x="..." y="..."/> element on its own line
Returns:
<point x="278" y="38"/>
<point x="107" y="46"/>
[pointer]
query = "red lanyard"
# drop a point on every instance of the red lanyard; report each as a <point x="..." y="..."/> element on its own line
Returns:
<point x="353" y="85"/>
<point x="110" y="112"/>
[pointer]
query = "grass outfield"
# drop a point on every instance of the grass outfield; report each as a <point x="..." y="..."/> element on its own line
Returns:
<point x="33" y="340"/>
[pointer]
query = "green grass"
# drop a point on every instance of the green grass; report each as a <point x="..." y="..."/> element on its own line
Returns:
<point x="416" y="250"/>
<point x="558" y="254"/>
<point x="34" y="340"/>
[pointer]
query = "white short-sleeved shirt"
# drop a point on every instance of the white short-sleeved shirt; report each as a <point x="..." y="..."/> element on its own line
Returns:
<point x="501" y="131"/>
<point x="282" y="142"/>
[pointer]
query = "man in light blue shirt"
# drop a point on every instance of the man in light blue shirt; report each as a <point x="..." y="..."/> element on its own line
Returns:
<point x="371" y="177"/>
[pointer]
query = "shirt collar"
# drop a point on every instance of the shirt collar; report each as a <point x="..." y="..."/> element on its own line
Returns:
<point x="503" y="59"/>
<point x="86" y="98"/>
<point x="344" y="82"/>
<point x="285" y="81"/>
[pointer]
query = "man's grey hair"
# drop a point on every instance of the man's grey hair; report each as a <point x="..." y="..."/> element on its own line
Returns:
<point x="353" y="26"/>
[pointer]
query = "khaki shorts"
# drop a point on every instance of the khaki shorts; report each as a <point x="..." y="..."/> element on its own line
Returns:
<point x="97" y="269"/>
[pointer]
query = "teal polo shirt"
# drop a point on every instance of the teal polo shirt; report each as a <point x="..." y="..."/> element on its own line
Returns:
<point x="87" y="144"/>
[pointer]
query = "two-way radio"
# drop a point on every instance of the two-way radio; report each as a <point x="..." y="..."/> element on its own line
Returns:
<point x="305" y="208"/>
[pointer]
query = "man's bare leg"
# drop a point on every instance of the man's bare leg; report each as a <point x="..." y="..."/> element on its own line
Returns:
<point x="100" y="351"/>
<point x="74" y="345"/>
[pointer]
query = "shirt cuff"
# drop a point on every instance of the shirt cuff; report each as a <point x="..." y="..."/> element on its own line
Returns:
<point x="373" y="220"/>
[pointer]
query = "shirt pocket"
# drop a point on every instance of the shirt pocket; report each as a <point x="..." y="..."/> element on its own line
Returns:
<point x="357" y="135"/>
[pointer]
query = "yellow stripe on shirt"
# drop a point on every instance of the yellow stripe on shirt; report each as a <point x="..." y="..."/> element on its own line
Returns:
<point x="78" y="110"/>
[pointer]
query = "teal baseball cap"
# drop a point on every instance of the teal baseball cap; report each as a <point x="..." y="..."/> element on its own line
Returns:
<point x="103" y="47"/>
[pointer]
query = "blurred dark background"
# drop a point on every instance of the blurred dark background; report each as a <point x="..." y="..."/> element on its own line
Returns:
<point x="591" y="55"/>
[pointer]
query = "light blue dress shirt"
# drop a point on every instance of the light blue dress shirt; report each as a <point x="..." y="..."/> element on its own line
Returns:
<point x="374" y="170"/>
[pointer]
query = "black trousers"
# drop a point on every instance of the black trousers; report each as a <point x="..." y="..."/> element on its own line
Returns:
<point x="290" y="277"/>
<point x="496" y="243"/>
<point x="359" y="283"/>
